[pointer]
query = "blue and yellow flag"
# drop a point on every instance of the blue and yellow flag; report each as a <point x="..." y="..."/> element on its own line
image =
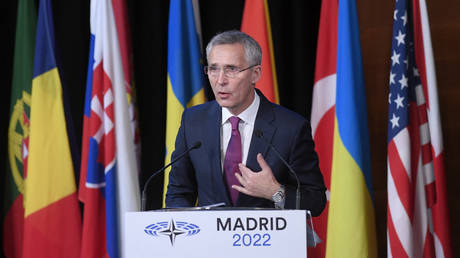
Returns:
<point x="185" y="70"/>
<point x="351" y="223"/>
<point x="340" y="128"/>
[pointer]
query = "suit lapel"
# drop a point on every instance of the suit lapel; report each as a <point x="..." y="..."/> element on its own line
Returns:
<point x="263" y="123"/>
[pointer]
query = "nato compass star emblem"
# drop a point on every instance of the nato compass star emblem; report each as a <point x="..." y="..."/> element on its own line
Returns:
<point x="172" y="229"/>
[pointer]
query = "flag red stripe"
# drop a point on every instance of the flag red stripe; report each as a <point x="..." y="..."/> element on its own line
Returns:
<point x="423" y="116"/>
<point x="401" y="179"/>
<point x="430" y="190"/>
<point x="428" y="249"/>
<point x="397" y="249"/>
<point x="426" y="153"/>
<point x="420" y="48"/>
<point x="440" y="213"/>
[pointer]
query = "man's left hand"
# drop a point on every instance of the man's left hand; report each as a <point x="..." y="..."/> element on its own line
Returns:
<point x="258" y="184"/>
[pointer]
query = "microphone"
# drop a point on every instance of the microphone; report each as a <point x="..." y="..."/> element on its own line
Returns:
<point x="260" y="135"/>
<point x="144" y="190"/>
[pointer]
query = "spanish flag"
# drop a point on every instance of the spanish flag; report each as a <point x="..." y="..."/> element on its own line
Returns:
<point x="185" y="70"/>
<point x="256" y="23"/>
<point x="340" y="129"/>
<point x="52" y="222"/>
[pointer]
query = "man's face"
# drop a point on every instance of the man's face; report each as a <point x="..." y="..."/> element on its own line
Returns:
<point x="236" y="93"/>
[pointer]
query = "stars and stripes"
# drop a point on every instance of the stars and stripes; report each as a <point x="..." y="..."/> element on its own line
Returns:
<point x="412" y="184"/>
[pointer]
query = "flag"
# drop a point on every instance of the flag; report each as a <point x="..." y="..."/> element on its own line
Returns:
<point x="109" y="184"/>
<point x="256" y="23"/>
<point x="18" y="132"/>
<point x="417" y="214"/>
<point x="340" y="131"/>
<point x="52" y="222"/>
<point x="185" y="78"/>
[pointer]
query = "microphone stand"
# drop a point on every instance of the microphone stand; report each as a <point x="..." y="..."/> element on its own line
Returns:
<point x="144" y="190"/>
<point x="259" y="134"/>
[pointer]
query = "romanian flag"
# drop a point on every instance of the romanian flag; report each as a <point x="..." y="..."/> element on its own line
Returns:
<point x="185" y="70"/>
<point x="256" y="23"/>
<point x="109" y="184"/>
<point x="339" y="123"/>
<point x="18" y="132"/>
<point x="52" y="222"/>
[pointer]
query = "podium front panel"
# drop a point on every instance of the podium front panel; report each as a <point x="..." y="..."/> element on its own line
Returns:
<point x="216" y="233"/>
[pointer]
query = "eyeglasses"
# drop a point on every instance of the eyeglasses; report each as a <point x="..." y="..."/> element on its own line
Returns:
<point x="230" y="71"/>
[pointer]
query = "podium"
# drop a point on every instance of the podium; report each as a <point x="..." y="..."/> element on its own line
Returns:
<point x="223" y="233"/>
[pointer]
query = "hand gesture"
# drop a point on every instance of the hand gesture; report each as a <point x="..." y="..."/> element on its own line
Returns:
<point x="258" y="184"/>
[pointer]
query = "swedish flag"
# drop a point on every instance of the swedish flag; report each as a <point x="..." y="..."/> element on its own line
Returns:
<point x="185" y="71"/>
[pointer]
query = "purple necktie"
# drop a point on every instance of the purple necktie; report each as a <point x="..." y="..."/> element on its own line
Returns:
<point x="233" y="157"/>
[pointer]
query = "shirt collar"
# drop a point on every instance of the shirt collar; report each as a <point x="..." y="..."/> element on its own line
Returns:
<point x="248" y="115"/>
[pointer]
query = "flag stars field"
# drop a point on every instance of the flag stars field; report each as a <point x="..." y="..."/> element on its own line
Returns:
<point x="395" y="58"/>
<point x="394" y="121"/>
<point x="399" y="102"/>
<point x="400" y="38"/>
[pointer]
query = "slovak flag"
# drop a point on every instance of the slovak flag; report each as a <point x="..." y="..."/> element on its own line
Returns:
<point x="109" y="184"/>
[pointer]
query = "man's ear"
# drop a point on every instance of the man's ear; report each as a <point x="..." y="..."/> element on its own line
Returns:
<point x="256" y="73"/>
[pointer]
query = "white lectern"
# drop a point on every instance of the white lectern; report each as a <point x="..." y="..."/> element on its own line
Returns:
<point x="216" y="233"/>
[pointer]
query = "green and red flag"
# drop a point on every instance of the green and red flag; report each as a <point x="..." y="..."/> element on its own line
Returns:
<point x="18" y="131"/>
<point x="42" y="218"/>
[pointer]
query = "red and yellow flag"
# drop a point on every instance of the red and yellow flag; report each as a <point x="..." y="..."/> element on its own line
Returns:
<point x="256" y="23"/>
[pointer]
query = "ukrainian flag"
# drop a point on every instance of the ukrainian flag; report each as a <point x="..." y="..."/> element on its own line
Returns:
<point x="185" y="71"/>
<point x="351" y="222"/>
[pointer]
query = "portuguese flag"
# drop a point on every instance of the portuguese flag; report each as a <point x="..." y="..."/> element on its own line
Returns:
<point x="42" y="214"/>
<point x="18" y="132"/>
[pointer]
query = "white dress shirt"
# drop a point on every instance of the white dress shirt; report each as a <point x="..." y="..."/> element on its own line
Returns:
<point x="246" y="127"/>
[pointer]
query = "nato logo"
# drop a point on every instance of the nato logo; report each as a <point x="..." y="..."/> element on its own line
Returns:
<point x="172" y="229"/>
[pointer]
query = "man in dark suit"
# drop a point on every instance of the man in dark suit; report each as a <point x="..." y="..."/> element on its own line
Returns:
<point x="234" y="164"/>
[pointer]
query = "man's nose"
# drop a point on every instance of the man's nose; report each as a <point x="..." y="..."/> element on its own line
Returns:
<point x="221" y="78"/>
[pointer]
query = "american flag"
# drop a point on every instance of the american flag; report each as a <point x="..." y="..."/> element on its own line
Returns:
<point x="417" y="222"/>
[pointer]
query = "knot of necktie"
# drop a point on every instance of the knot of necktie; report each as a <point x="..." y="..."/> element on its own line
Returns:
<point x="234" y="120"/>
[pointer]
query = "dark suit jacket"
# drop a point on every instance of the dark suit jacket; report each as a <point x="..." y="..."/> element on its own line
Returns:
<point x="199" y="174"/>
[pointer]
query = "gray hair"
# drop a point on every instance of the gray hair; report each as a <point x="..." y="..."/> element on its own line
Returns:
<point x="252" y="50"/>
